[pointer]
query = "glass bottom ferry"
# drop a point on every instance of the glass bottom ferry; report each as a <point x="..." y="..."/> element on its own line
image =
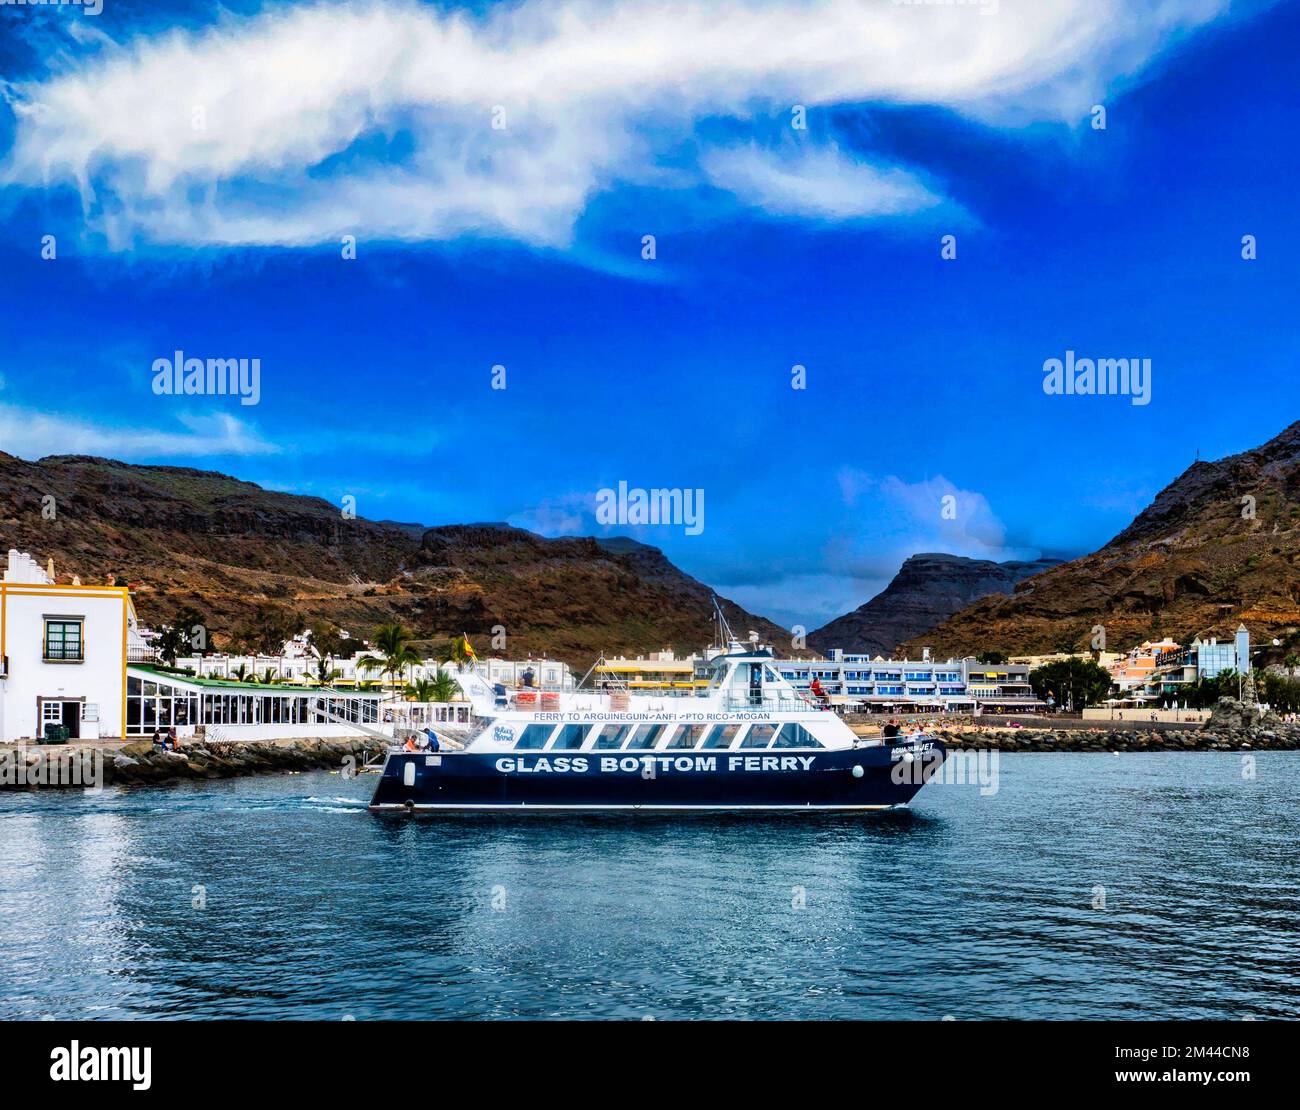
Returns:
<point x="749" y="741"/>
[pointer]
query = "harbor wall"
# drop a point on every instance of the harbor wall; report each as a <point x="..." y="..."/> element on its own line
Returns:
<point x="84" y="765"/>
<point x="1209" y="739"/>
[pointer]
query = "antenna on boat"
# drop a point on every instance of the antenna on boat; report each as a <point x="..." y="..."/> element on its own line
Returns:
<point x="725" y="636"/>
<point x="610" y="681"/>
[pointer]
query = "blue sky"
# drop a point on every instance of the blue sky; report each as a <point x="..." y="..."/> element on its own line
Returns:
<point x="776" y="246"/>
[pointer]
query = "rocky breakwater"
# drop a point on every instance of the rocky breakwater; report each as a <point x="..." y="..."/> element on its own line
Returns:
<point x="1210" y="738"/>
<point x="142" y="763"/>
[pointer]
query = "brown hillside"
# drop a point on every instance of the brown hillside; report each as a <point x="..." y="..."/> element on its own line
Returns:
<point x="193" y="537"/>
<point x="1217" y="547"/>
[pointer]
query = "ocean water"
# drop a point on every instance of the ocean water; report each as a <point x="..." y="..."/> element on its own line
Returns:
<point x="1087" y="886"/>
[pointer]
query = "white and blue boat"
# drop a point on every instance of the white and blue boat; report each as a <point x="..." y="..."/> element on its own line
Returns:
<point x="746" y="741"/>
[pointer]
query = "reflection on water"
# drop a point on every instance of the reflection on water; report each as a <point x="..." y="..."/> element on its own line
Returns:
<point x="1093" y="886"/>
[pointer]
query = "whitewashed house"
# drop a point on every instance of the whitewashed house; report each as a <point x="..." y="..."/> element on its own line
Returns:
<point x="63" y="654"/>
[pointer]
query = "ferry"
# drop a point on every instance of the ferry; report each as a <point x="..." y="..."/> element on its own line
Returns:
<point x="748" y="740"/>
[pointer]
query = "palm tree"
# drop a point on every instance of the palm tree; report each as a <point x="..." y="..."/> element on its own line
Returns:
<point x="421" y="690"/>
<point x="444" y="687"/>
<point x="270" y="676"/>
<point x="241" y="673"/>
<point x="394" y="653"/>
<point x="458" y="650"/>
<point x="324" y="674"/>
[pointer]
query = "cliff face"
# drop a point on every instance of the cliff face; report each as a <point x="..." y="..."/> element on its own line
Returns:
<point x="927" y="590"/>
<point x="224" y="546"/>
<point x="1217" y="547"/>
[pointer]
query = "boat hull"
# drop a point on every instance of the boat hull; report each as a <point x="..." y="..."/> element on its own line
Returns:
<point x="887" y="776"/>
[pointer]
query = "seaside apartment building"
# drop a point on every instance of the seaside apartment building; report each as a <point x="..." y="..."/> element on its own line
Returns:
<point x="1201" y="659"/>
<point x="861" y="682"/>
<point x="660" y="670"/>
<point x="63" y="654"/>
<point x="1136" y="667"/>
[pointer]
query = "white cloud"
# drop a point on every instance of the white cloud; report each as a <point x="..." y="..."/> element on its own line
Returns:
<point x="32" y="435"/>
<point x="595" y="93"/>
<point x="819" y="183"/>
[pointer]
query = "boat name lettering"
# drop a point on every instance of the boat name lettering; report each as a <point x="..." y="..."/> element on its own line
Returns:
<point x="635" y="764"/>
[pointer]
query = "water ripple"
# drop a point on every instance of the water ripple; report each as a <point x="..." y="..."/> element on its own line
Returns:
<point x="1088" y="886"/>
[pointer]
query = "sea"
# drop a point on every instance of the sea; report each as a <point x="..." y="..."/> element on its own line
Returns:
<point x="1094" y="886"/>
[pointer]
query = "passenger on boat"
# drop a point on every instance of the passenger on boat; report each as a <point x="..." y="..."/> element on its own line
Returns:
<point x="410" y="744"/>
<point x="431" y="740"/>
<point x="890" y="730"/>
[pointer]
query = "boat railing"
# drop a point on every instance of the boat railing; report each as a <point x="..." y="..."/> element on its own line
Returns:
<point x="769" y="703"/>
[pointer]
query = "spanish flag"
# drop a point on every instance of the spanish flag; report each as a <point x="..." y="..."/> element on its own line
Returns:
<point x="469" y="648"/>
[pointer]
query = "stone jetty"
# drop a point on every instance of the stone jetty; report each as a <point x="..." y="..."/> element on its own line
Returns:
<point x="26" y="767"/>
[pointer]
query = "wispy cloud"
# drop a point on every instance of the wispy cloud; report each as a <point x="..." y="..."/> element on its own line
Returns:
<point x="820" y="184"/>
<point x="299" y="125"/>
<point x="31" y="435"/>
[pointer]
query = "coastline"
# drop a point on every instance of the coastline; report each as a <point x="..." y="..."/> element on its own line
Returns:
<point x="1208" y="739"/>
<point x="136" y="763"/>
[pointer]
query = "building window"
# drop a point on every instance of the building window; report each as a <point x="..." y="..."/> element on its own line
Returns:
<point x="63" y="640"/>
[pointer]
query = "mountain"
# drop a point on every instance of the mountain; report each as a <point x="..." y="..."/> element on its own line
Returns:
<point x="1218" y="547"/>
<point x="927" y="590"/>
<point x="186" y="537"/>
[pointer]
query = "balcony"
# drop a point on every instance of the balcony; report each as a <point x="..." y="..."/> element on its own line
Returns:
<point x="63" y="653"/>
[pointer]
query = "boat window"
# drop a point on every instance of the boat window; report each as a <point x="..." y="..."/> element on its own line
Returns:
<point x="611" y="737"/>
<point x="795" y="736"/>
<point x="570" y="737"/>
<point x="721" y="736"/>
<point x="687" y="736"/>
<point x="534" y="737"/>
<point x="758" y="736"/>
<point x="646" y="736"/>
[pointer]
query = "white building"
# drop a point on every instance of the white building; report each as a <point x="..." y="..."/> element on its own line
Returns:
<point x="63" y="652"/>
<point x="226" y="710"/>
<point x="295" y="665"/>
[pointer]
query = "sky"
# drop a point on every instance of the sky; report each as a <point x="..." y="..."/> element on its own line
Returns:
<point x="398" y="208"/>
